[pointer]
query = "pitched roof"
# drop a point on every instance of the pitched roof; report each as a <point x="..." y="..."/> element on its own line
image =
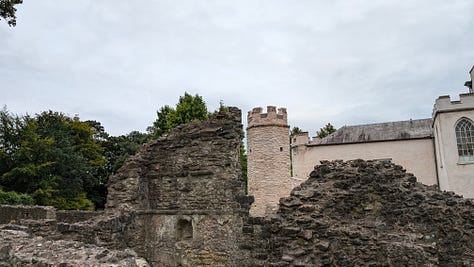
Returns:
<point x="387" y="131"/>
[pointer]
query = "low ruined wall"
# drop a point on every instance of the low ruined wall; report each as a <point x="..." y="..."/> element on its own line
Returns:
<point x="73" y="216"/>
<point x="15" y="213"/>
<point x="18" y="247"/>
<point x="12" y="214"/>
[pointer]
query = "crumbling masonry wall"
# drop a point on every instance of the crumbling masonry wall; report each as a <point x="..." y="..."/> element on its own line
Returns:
<point x="180" y="202"/>
<point x="12" y="213"/>
<point x="188" y="195"/>
<point x="366" y="213"/>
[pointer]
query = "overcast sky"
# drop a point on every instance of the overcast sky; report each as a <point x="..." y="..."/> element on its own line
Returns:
<point x="340" y="61"/>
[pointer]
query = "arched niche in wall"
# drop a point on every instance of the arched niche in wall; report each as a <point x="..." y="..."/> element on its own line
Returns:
<point x="184" y="229"/>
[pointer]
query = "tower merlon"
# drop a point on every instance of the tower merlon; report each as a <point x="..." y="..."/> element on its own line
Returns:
<point x="272" y="117"/>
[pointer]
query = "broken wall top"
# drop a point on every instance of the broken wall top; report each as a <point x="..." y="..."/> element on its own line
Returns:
<point x="368" y="213"/>
<point x="194" y="168"/>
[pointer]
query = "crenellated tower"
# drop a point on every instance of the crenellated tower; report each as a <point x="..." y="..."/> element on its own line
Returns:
<point x="268" y="150"/>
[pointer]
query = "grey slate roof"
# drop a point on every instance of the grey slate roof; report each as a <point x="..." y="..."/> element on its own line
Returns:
<point x="387" y="131"/>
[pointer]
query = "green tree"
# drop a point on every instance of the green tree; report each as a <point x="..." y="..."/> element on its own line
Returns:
<point x="326" y="130"/>
<point x="295" y="131"/>
<point x="189" y="108"/>
<point x="118" y="148"/>
<point x="8" y="10"/>
<point x="52" y="157"/>
<point x="160" y="125"/>
<point x="14" y="198"/>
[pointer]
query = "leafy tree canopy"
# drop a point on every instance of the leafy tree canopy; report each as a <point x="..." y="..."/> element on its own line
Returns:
<point x="14" y="198"/>
<point x="118" y="148"/>
<point x="326" y="130"/>
<point x="189" y="108"/>
<point x="8" y="10"/>
<point x="53" y="158"/>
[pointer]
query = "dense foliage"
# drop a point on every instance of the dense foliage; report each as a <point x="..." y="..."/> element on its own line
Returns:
<point x="14" y="198"/>
<point x="8" y="10"/>
<point x="53" y="159"/>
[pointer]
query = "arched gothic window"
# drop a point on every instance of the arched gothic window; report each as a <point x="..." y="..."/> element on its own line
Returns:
<point x="465" y="139"/>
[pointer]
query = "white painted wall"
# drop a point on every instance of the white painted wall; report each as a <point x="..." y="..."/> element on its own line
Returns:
<point x="453" y="175"/>
<point x="416" y="156"/>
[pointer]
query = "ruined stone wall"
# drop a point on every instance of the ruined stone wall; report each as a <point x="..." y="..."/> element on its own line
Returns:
<point x="187" y="193"/>
<point x="11" y="213"/>
<point x="365" y="213"/>
<point x="72" y="216"/>
<point x="17" y="213"/>
<point x="268" y="152"/>
<point x="180" y="202"/>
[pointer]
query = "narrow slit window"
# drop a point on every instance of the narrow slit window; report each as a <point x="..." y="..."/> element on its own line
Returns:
<point x="465" y="139"/>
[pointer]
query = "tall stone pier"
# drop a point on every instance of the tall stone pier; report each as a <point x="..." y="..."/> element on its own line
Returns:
<point x="187" y="192"/>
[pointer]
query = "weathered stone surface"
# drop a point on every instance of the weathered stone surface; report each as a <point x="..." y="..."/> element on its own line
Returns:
<point x="19" y="248"/>
<point x="72" y="216"/>
<point x="194" y="167"/>
<point x="187" y="193"/>
<point x="180" y="202"/>
<point x="368" y="213"/>
<point x="11" y="213"/>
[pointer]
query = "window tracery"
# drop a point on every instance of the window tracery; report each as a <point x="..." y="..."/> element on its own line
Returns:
<point x="465" y="139"/>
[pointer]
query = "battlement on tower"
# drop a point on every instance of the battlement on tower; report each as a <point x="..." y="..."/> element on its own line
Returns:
<point x="445" y="104"/>
<point x="256" y="118"/>
<point x="268" y="169"/>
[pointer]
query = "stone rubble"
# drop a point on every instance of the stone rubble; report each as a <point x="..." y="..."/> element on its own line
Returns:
<point x="367" y="213"/>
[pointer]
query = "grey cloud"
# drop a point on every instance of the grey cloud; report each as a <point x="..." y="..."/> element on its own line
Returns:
<point x="345" y="62"/>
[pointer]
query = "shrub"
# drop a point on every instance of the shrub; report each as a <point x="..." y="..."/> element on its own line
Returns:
<point x="14" y="198"/>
